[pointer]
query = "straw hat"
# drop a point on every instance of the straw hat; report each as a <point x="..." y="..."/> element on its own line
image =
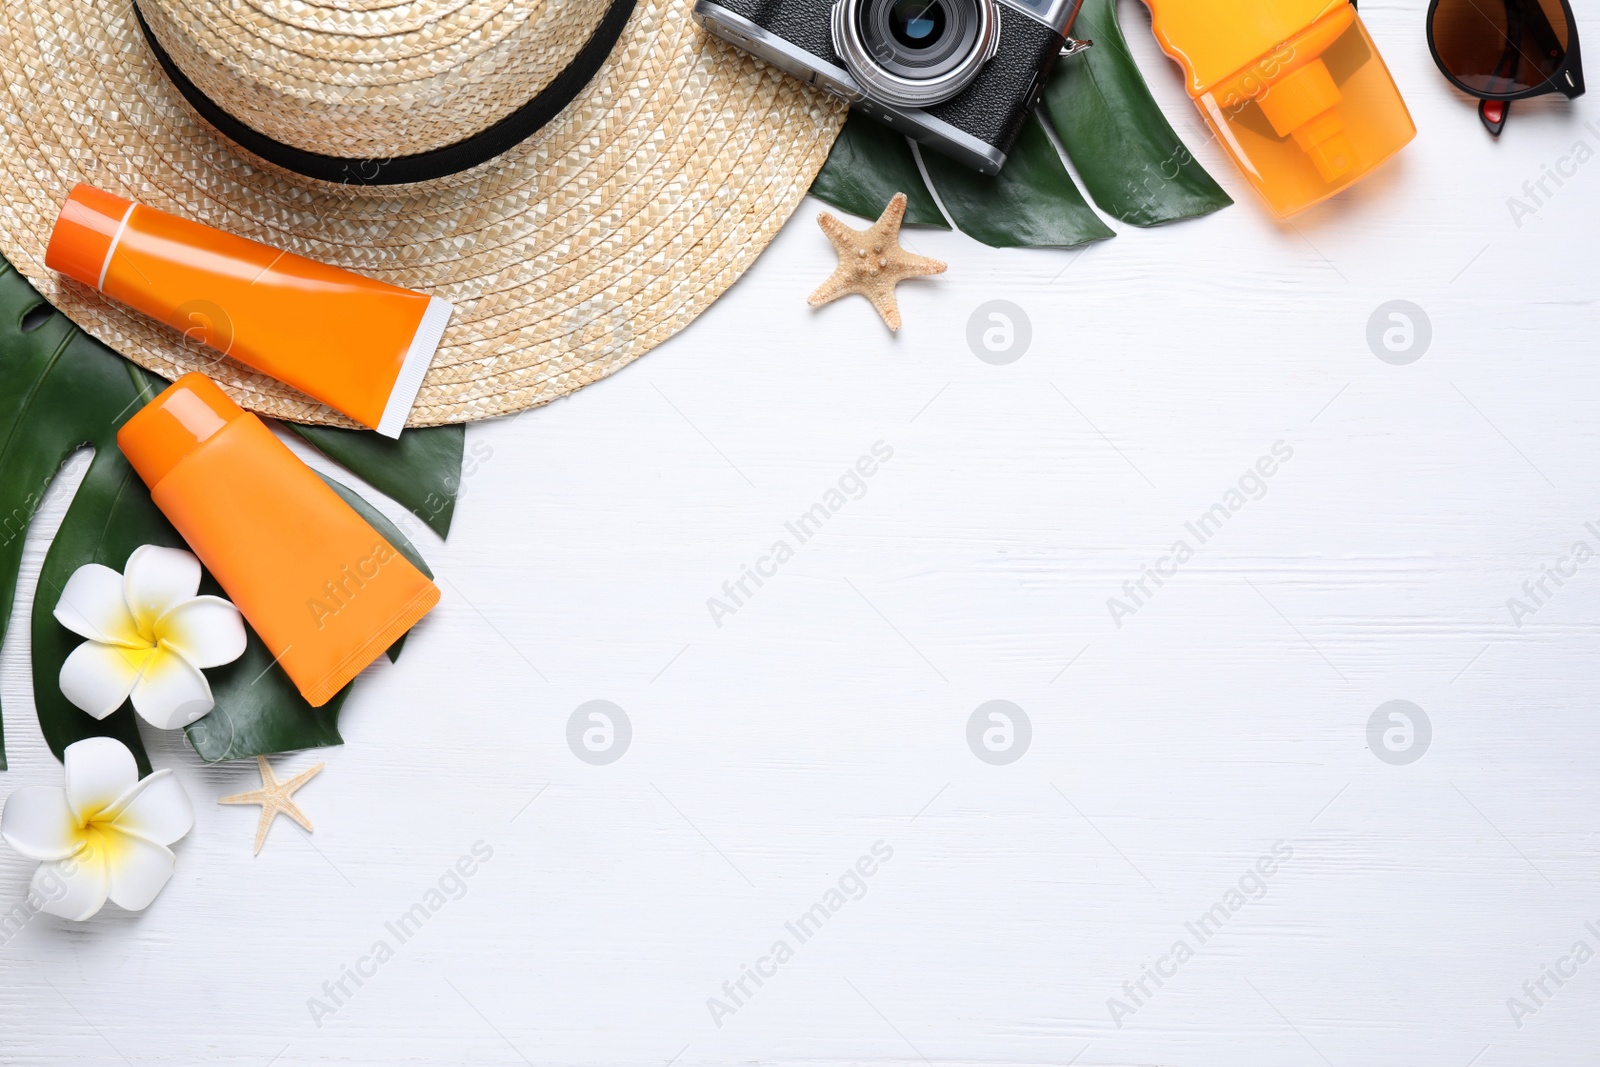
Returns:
<point x="581" y="178"/>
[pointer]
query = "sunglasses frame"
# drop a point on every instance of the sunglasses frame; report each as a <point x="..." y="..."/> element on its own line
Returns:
<point x="1567" y="79"/>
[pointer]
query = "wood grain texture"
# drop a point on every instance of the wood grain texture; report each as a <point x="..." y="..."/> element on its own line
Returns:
<point x="829" y="712"/>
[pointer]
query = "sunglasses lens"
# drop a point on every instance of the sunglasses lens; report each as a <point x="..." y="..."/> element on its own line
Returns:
<point x="1500" y="46"/>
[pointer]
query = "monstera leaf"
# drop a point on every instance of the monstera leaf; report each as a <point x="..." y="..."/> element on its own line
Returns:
<point x="1135" y="166"/>
<point x="1126" y="152"/>
<point x="869" y="163"/>
<point x="61" y="390"/>
<point x="1031" y="202"/>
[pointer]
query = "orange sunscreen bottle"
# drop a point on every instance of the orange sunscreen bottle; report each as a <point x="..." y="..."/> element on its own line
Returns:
<point x="1294" y="89"/>
<point x="359" y="345"/>
<point x="324" y="589"/>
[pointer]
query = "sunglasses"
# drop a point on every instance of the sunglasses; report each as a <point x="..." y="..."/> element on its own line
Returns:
<point x="1505" y="50"/>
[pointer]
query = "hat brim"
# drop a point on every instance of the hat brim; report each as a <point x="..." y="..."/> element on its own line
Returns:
<point x="566" y="258"/>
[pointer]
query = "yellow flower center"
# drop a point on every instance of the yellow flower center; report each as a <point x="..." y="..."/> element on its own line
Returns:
<point x="98" y="839"/>
<point x="139" y="658"/>
<point x="145" y="623"/>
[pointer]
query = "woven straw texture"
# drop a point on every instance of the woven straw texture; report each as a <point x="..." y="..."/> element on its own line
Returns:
<point x="567" y="257"/>
<point x="376" y="83"/>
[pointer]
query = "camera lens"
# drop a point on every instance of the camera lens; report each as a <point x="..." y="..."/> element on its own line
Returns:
<point x="920" y="39"/>
<point x="915" y="53"/>
<point x="917" y="23"/>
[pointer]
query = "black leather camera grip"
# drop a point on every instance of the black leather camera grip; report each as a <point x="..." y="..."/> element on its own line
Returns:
<point x="994" y="107"/>
<point x="800" y="22"/>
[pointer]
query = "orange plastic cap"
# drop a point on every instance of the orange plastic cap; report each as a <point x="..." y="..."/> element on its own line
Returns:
<point x="174" y="424"/>
<point x="83" y="233"/>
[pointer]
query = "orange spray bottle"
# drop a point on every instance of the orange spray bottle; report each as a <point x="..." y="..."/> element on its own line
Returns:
<point x="325" y="591"/>
<point x="1295" y="90"/>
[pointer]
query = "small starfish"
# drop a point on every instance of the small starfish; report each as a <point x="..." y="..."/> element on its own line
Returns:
<point x="871" y="261"/>
<point x="274" y="796"/>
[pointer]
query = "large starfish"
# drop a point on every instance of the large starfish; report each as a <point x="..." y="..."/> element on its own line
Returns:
<point x="871" y="261"/>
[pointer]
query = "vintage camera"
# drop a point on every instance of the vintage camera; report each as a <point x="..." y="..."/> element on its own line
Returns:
<point x="959" y="76"/>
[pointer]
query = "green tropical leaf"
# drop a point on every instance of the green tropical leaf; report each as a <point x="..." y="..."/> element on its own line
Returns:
<point x="868" y="165"/>
<point x="1129" y="157"/>
<point x="421" y="469"/>
<point x="109" y="517"/>
<point x="61" y="390"/>
<point x="1134" y="165"/>
<point x="1032" y="202"/>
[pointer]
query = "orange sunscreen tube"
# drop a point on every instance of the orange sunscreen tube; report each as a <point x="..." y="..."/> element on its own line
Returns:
<point x="323" y="589"/>
<point x="1295" y="90"/>
<point x="359" y="345"/>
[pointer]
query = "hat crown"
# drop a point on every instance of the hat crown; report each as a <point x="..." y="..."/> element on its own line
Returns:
<point x="372" y="79"/>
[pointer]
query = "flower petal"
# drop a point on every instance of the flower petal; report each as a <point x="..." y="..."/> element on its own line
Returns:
<point x="157" y="809"/>
<point x="38" y="822"/>
<point x="72" y="888"/>
<point x="92" y="606"/>
<point x="156" y="579"/>
<point x="98" y="678"/>
<point x="208" y="630"/>
<point x="99" y="770"/>
<point x="171" y="692"/>
<point x="137" y="869"/>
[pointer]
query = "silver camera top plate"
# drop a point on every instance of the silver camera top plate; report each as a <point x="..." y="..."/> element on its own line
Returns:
<point x="1057" y="14"/>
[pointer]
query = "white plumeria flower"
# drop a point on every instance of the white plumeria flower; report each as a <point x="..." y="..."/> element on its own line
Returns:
<point x="149" y="635"/>
<point x="103" y="837"/>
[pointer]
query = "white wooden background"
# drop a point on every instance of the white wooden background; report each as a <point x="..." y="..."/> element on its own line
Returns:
<point x="829" y="713"/>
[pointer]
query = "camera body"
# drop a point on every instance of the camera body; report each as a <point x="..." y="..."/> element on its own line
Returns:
<point x="960" y="76"/>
